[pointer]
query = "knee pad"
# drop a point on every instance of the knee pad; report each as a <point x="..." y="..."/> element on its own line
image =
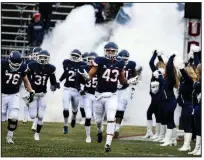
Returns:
<point x="87" y="122"/>
<point x="13" y="114"/>
<point x="119" y="114"/>
<point x="66" y="113"/>
<point x="12" y="124"/>
<point x="82" y="112"/>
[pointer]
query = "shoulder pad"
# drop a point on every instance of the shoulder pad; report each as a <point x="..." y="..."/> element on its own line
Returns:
<point x="132" y="64"/>
<point x="52" y="68"/>
<point x="98" y="61"/>
<point x="66" y="62"/>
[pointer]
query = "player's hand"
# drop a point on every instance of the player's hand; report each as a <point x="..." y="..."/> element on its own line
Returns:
<point x="85" y="75"/>
<point x="31" y="96"/>
<point x="82" y="92"/>
<point x="133" y="80"/>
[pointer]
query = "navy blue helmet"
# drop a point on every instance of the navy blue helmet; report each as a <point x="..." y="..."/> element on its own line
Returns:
<point x="43" y="57"/>
<point x="15" y="60"/>
<point x="91" y="57"/>
<point x="111" y="50"/>
<point x="123" y="56"/>
<point x="35" y="51"/>
<point x="85" y="57"/>
<point x="76" y="55"/>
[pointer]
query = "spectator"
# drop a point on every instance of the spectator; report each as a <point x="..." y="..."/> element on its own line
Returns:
<point x="36" y="31"/>
<point x="45" y="9"/>
<point x="99" y="12"/>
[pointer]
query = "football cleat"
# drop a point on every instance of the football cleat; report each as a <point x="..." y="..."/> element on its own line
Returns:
<point x="100" y="137"/>
<point x="88" y="139"/>
<point x="9" y="140"/>
<point x="65" y="131"/>
<point x="36" y="136"/>
<point x="25" y="120"/>
<point x="107" y="148"/>
<point x="73" y="123"/>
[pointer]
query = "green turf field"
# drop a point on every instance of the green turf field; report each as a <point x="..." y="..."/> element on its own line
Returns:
<point x="53" y="143"/>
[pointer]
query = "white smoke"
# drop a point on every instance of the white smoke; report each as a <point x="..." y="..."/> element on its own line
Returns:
<point x="152" y="26"/>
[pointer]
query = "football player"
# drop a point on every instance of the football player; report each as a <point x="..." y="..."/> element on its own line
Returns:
<point x="124" y="92"/>
<point x="71" y="94"/>
<point x="108" y="72"/>
<point x="40" y="71"/>
<point x="23" y="91"/>
<point x="13" y="71"/>
<point x="81" y="105"/>
<point x="87" y="92"/>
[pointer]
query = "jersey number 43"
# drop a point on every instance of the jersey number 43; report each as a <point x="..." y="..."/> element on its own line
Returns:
<point x="111" y="73"/>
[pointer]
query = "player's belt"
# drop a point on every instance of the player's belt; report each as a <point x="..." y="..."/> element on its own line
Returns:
<point x="70" y="88"/>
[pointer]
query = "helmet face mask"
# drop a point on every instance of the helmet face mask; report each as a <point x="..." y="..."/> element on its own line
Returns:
<point x="15" y="60"/>
<point x="75" y="57"/>
<point x="14" y="66"/>
<point x="111" y="50"/>
<point x="91" y="57"/>
<point x="43" y="59"/>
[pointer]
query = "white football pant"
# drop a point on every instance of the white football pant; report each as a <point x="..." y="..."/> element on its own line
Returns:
<point x="71" y="95"/>
<point x="38" y="106"/>
<point x="123" y="98"/>
<point x="88" y="103"/>
<point x="10" y="106"/>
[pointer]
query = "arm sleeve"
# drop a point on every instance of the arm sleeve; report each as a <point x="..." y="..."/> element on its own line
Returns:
<point x="53" y="80"/>
<point x="151" y="62"/>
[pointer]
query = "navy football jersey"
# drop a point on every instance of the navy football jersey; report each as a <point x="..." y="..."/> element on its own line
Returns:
<point x="11" y="80"/>
<point x="108" y="74"/>
<point x="129" y="69"/>
<point x="40" y="75"/>
<point x="70" y="70"/>
<point x="89" y="86"/>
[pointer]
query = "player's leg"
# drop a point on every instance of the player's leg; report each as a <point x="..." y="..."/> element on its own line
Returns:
<point x="4" y="108"/>
<point x="119" y="116"/>
<point x="41" y="113"/>
<point x="13" y="113"/>
<point x="186" y="113"/>
<point x="75" y="97"/>
<point x="26" y="112"/>
<point x="66" y="104"/>
<point x="99" y="115"/>
<point x="33" y="107"/>
<point x="82" y="111"/>
<point x="111" y="107"/>
<point x="150" y="111"/>
<point x="88" y="103"/>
